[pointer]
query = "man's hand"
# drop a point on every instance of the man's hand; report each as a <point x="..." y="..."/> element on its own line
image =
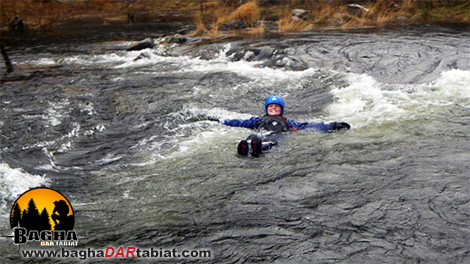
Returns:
<point x="339" y="126"/>
<point x="210" y="118"/>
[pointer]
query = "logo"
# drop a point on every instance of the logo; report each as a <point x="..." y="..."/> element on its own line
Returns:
<point x="43" y="215"/>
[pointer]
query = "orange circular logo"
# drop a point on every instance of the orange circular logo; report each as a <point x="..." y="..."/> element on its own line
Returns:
<point x="42" y="209"/>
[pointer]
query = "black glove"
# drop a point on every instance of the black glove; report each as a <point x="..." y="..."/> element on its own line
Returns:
<point x="339" y="125"/>
<point x="213" y="119"/>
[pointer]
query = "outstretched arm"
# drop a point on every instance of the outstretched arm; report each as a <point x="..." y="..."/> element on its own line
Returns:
<point x="249" y="123"/>
<point x="321" y="126"/>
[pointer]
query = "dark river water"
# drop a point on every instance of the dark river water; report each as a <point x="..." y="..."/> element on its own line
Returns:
<point x="122" y="135"/>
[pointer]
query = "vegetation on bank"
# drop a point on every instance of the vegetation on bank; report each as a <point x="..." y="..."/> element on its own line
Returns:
<point x="211" y="17"/>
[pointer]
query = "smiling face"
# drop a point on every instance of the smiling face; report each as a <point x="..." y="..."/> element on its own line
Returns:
<point x="274" y="110"/>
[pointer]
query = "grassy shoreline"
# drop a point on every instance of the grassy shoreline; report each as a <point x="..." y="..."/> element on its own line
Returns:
<point x="210" y="18"/>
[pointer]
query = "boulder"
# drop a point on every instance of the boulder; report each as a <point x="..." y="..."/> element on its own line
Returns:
<point x="177" y="39"/>
<point x="299" y="14"/>
<point x="144" y="44"/>
<point x="271" y="26"/>
<point x="357" y="10"/>
<point x="233" y="25"/>
<point x="286" y="62"/>
<point x="251" y="54"/>
<point x="186" y="29"/>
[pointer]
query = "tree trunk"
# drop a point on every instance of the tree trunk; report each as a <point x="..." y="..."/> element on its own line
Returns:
<point x="5" y="58"/>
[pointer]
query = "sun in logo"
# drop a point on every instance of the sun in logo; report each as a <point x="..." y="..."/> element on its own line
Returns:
<point x="42" y="209"/>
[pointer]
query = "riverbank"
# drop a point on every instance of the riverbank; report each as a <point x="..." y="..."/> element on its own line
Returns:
<point x="211" y="18"/>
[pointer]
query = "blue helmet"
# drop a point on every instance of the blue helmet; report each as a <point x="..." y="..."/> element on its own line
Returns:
<point x="274" y="99"/>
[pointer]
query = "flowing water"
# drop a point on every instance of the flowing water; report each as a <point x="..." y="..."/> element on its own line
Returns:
<point x="121" y="134"/>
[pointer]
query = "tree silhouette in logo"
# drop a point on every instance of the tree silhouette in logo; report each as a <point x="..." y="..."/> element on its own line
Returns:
<point x="30" y="217"/>
<point x="60" y="218"/>
<point x="44" y="221"/>
<point x="15" y="218"/>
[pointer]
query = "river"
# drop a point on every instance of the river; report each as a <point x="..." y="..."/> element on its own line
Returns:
<point x="121" y="134"/>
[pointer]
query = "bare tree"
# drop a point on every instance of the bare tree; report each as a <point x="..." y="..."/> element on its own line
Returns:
<point x="5" y="58"/>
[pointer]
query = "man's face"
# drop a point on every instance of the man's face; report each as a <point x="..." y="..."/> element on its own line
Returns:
<point x="274" y="110"/>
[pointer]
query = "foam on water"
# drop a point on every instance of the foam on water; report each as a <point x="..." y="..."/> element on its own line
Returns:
<point x="250" y="69"/>
<point x="39" y="62"/>
<point x="216" y="112"/>
<point x="221" y="63"/>
<point x="13" y="182"/>
<point x="191" y="136"/>
<point x="57" y="111"/>
<point x="129" y="59"/>
<point x="365" y="101"/>
<point x="106" y="59"/>
<point x="62" y="143"/>
<point x="453" y="86"/>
